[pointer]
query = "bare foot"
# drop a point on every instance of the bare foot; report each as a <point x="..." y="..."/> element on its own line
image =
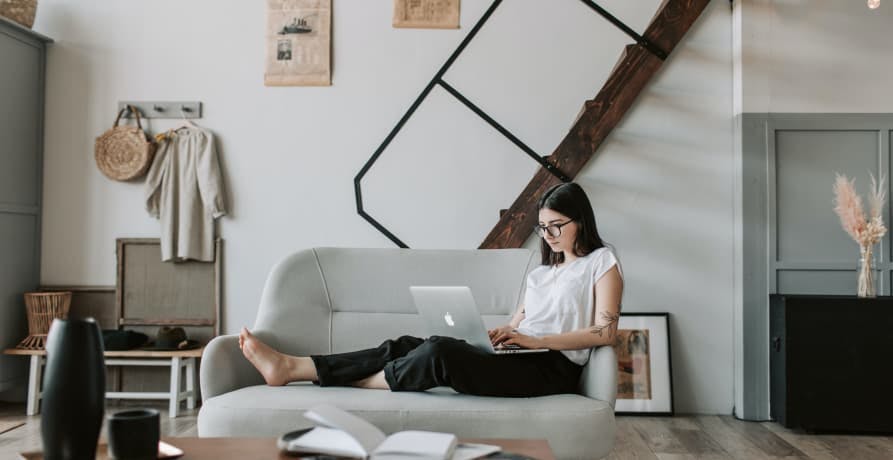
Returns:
<point x="272" y="365"/>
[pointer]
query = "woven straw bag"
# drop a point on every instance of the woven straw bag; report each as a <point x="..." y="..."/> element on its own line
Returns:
<point x="20" y="11"/>
<point x="124" y="152"/>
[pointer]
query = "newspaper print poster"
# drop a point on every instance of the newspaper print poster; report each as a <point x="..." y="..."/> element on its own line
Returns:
<point x="426" y="14"/>
<point x="298" y="43"/>
<point x="633" y="364"/>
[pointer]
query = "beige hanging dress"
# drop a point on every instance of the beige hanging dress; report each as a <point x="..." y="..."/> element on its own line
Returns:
<point x="184" y="189"/>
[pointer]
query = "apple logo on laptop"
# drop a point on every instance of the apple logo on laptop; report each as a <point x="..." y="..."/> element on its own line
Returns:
<point x="449" y="319"/>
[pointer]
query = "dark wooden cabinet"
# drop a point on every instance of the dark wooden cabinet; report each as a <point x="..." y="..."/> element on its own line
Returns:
<point x="830" y="362"/>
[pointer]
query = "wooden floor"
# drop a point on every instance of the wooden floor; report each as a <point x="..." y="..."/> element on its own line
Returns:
<point x="666" y="438"/>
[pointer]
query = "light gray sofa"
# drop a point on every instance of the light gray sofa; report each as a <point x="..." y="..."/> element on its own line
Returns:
<point x="331" y="300"/>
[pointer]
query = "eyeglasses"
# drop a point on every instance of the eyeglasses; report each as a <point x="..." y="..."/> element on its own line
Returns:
<point x="554" y="230"/>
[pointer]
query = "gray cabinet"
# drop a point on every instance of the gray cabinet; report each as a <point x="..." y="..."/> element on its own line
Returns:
<point x="22" y="67"/>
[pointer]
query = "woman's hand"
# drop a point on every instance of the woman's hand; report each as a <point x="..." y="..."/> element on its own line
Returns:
<point x="513" y="337"/>
<point x="499" y="334"/>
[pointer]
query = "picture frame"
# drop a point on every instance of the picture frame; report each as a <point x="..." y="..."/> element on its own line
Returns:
<point x="426" y="14"/>
<point x="153" y="293"/>
<point x="298" y="43"/>
<point x="644" y="367"/>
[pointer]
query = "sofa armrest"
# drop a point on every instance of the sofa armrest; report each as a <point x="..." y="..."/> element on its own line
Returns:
<point x="599" y="378"/>
<point x="224" y="368"/>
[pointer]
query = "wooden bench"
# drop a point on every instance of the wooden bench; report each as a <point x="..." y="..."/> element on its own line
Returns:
<point x="177" y="360"/>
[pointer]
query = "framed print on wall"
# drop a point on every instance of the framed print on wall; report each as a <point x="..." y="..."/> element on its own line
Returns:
<point x="644" y="371"/>
<point x="426" y="14"/>
<point x="298" y="42"/>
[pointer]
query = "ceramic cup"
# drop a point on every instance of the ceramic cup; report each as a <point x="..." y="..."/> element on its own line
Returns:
<point x="134" y="434"/>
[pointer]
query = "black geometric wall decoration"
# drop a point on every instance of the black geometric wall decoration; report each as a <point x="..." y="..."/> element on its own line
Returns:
<point x="438" y="80"/>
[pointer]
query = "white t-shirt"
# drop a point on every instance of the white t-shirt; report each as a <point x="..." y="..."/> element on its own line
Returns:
<point x="562" y="299"/>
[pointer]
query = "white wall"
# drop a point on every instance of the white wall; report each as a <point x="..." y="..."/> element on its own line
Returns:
<point x="813" y="56"/>
<point x="661" y="185"/>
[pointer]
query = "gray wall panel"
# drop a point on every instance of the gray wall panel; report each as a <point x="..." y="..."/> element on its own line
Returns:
<point x="18" y="239"/>
<point x="754" y="280"/>
<point x="21" y="88"/>
<point x="808" y="230"/>
<point x="829" y="282"/>
<point x="22" y="54"/>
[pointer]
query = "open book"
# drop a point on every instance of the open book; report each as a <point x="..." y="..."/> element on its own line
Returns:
<point x="343" y="434"/>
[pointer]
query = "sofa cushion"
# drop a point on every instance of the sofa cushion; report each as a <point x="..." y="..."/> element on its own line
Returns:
<point x="270" y="411"/>
<point x="329" y="300"/>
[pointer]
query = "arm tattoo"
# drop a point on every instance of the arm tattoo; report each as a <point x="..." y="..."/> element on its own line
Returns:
<point x="610" y="324"/>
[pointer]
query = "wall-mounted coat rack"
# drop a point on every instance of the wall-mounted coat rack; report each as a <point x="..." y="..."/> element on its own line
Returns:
<point x="163" y="109"/>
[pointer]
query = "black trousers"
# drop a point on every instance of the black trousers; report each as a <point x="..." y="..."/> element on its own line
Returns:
<point x="414" y="364"/>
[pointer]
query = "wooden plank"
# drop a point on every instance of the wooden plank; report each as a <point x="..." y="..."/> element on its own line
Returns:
<point x="118" y="354"/>
<point x="813" y="446"/>
<point x="768" y="442"/>
<point x="167" y="322"/>
<point x="718" y="456"/>
<point x="55" y="288"/>
<point x="657" y="436"/>
<point x="735" y="444"/>
<point x="218" y="283"/>
<point x="699" y="443"/>
<point x="23" y="352"/>
<point x="682" y="422"/>
<point x="120" y="245"/>
<point x="860" y="447"/>
<point x="628" y="443"/>
<point x="672" y="21"/>
<point x="632" y="73"/>
<point x="154" y="354"/>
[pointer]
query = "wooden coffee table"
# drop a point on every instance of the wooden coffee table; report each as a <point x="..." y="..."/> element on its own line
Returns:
<point x="265" y="448"/>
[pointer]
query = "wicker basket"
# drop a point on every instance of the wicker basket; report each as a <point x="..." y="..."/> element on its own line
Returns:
<point x="42" y="309"/>
<point x="20" y="11"/>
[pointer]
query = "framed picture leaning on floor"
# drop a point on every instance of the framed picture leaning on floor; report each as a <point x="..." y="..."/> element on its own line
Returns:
<point x="644" y="371"/>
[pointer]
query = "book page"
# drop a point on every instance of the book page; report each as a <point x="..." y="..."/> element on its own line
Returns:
<point x="469" y="451"/>
<point x="331" y="441"/>
<point x="417" y="444"/>
<point x="365" y="433"/>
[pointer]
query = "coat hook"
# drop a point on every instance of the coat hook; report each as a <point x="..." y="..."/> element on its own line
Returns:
<point x="158" y="108"/>
<point x="185" y="108"/>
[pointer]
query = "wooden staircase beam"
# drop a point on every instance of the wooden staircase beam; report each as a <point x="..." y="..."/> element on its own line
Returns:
<point x="600" y="115"/>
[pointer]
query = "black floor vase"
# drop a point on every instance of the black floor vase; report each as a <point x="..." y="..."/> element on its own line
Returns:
<point x="73" y="390"/>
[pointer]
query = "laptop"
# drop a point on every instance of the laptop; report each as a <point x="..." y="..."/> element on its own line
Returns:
<point x="450" y="311"/>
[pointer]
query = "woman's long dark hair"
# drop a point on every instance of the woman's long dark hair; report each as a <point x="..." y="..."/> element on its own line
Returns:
<point x="570" y="199"/>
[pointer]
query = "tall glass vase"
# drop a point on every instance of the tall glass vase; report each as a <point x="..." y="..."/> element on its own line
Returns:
<point x="73" y="390"/>
<point x="866" y="287"/>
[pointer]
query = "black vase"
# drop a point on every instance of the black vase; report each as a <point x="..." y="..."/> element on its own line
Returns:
<point x="73" y="390"/>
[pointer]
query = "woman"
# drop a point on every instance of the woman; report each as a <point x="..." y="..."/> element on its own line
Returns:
<point x="572" y="303"/>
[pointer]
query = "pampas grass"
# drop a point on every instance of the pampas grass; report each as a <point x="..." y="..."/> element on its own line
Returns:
<point x="865" y="230"/>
